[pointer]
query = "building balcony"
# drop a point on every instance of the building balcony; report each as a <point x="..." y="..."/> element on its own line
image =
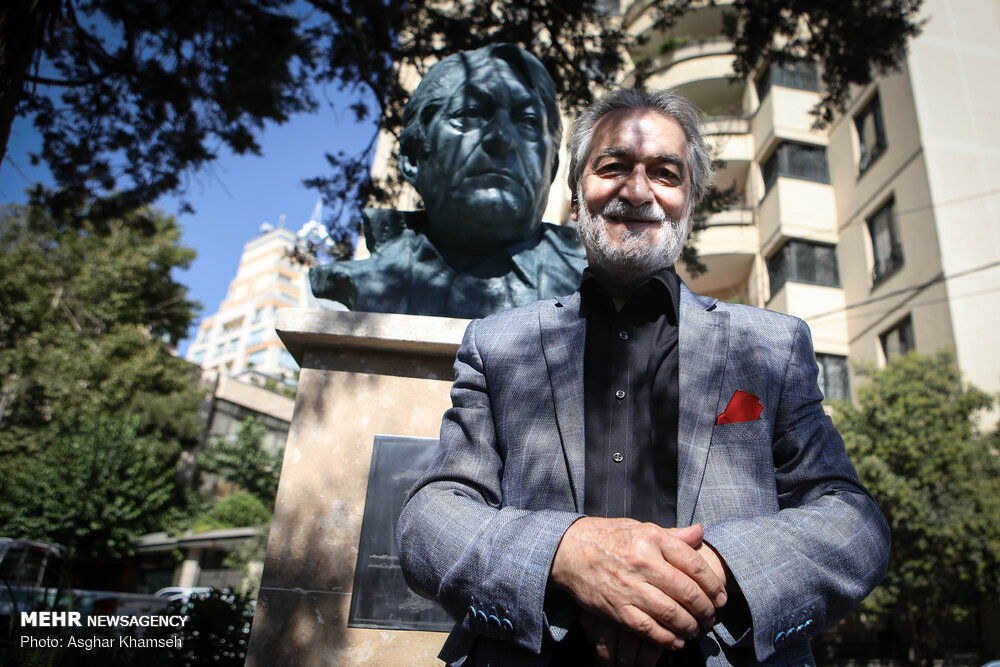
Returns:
<point x="706" y="80"/>
<point x="728" y="247"/>
<point x="701" y="22"/>
<point x="795" y="208"/>
<point x="784" y="114"/>
<point x="823" y="310"/>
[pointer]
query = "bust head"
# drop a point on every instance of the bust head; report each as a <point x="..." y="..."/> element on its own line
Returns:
<point x="480" y="144"/>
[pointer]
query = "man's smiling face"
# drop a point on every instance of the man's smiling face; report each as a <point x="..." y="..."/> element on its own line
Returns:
<point x="634" y="195"/>
<point x="487" y="180"/>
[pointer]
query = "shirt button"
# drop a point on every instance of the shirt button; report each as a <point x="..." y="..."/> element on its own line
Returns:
<point x="620" y="394"/>
<point x="623" y="335"/>
<point x="618" y="457"/>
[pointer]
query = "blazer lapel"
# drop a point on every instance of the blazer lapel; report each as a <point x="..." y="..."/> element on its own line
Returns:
<point x="563" y="333"/>
<point x="703" y="342"/>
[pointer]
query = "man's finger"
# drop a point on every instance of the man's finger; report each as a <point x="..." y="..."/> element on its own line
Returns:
<point x="693" y="567"/>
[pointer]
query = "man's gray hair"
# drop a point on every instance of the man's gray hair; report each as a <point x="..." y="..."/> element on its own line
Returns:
<point x="687" y="115"/>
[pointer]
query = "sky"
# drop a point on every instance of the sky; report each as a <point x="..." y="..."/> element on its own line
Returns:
<point x="235" y="194"/>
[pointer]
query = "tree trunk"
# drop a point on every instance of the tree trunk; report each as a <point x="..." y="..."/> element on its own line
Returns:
<point x="22" y="32"/>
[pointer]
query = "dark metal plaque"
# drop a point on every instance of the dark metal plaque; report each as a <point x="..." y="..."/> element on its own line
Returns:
<point x="381" y="598"/>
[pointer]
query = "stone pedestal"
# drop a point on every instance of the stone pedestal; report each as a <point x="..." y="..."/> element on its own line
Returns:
<point x="362" y="374"/>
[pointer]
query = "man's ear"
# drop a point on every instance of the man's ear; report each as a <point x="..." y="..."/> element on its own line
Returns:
<point x="555" y="164"/>
<point x="574" y="207"/>
<point x="409" y="161"/>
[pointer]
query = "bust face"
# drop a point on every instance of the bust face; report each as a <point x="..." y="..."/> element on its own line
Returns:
<point x="486" y="178"/>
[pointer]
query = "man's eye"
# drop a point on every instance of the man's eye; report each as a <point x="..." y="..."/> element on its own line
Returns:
<point x="530" y="119"/>
<point x="469" y="117"/>
<point x="612" y="168"/>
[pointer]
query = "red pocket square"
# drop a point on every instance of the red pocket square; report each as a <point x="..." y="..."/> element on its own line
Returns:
<point x="743" y="407"/>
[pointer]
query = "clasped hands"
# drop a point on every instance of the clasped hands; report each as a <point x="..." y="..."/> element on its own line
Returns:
<point x="644" y="589"/>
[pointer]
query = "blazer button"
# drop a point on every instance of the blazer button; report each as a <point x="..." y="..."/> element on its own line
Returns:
<point x="472" y="612"/>
<point x="494" y="622"/>
<point x="779" y="639"/>
<point x="506" y="625"/>
<point x="481" y="616"/>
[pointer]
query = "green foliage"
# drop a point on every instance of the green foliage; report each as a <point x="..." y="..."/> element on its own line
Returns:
<point x="86" y="311"/>
<point x="218" y="630"/>
<point x="852" y="40"/>
<point x="129" y="96"/>
<point x="937" y="480"/>
<point x="245" y="461"/>
<point x="235" y="511"/>
<point x="248" y="558"/>
<point x="95" y="487"/>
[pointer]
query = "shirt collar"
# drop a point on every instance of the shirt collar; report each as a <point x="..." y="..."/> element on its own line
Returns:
<point x="664" y="283"/>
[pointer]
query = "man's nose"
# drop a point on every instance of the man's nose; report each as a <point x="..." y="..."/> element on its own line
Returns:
<point x="637" y="189"/>
<point x="499" y="137"/>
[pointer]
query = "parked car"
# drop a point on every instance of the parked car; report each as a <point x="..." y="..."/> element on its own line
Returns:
<point x="28" y="582"/>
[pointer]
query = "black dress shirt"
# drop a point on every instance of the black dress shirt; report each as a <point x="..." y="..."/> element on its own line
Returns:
<point x="630" y="399"/>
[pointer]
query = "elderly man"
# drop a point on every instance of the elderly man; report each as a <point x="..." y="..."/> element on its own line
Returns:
<point x="480" y="144"/>
<point x="634" y="472"/>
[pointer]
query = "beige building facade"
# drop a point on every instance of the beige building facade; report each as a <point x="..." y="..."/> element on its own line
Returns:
<point x="881" y="230"/>
<point x="240" y="336"/>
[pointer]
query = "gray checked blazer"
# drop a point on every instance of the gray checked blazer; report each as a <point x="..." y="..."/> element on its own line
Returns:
<point x="778" y="497"/>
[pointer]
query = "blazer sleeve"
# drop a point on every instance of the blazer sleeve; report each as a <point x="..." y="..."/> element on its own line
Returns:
<point x="457" y="543"/>
<point x="804" y="568"/>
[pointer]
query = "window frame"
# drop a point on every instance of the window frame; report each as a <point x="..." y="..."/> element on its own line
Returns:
<point x="867" y="158"/>
<point x="791" y="250"/>
<point x="903" y="324"/>
<point x="783" y="155"/>
<point x="793" y="76"/>
<point x="884" y="266"/>
<point x="823" y="379"/>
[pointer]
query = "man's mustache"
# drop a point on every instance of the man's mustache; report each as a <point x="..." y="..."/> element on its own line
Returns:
<point x="619" y="208"/>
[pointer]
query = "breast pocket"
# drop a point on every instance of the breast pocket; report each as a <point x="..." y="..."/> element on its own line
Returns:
<point x="742" y="433"/>
<point x="739" y="475"/>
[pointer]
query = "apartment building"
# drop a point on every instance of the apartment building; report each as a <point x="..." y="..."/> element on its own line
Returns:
<point x="881" y="230"/>
<point x="239" y="339"/>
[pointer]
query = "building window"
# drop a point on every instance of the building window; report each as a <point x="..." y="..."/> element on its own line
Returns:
<point x="797" y="74"/>
<point x="887" y="251"/>
<point x="198" y="356"/>
<point x="256" y="336"/>
<point x="898" y="340"/>
<point x="833" y="379"/>
<point x="871" y="133"/>
<point x="256" y="359"/>
<point x="794" y="160"/>
<point x="803" y="262"/>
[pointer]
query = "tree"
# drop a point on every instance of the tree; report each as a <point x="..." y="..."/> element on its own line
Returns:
<point x="88" y="311"/>
<point x="913" y="439"/>
<point x="94" y="488"/>
<point x="851" y="40"/>
<point x="93" y="407"/>
<point x="130" y="97"/>
<point x="245" y="461"/>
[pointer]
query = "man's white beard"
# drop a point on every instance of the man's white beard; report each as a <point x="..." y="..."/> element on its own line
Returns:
<point x="630" y="264"/>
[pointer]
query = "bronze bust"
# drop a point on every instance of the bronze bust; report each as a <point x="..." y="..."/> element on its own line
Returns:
<point x="480" y="144"/>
